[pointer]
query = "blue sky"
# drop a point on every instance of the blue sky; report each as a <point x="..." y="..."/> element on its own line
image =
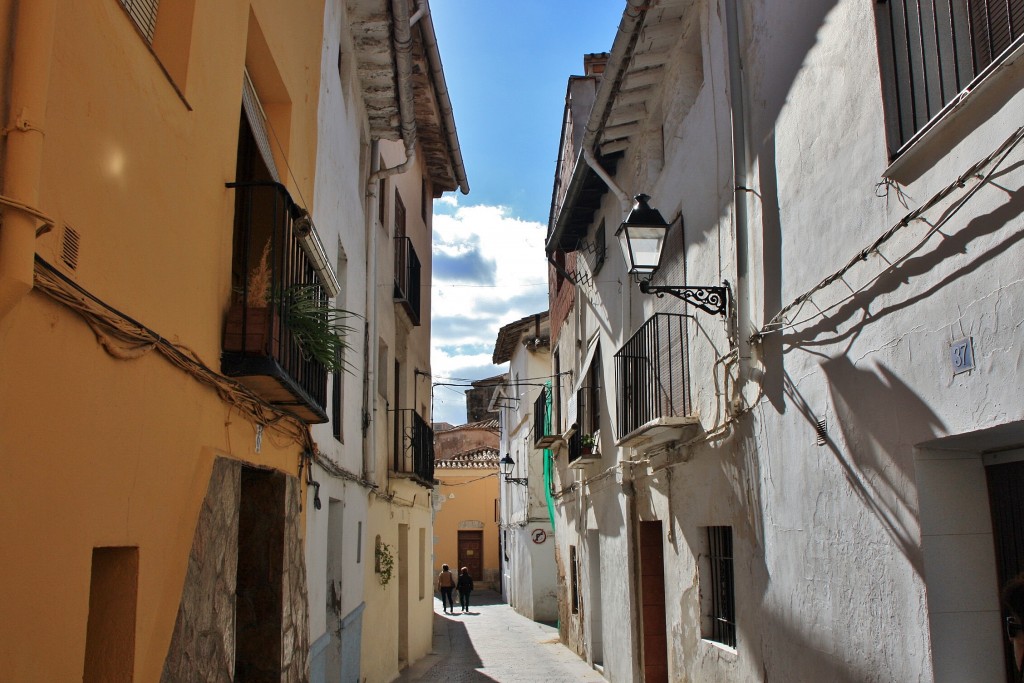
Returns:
<point x="506" y="66"/>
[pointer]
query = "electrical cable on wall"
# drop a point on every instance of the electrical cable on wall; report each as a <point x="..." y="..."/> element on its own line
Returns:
<point x="127" y="339"/>
<point x="993" y="160"/>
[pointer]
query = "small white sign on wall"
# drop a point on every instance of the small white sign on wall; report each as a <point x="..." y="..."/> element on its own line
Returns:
<point x="961" y="355"/>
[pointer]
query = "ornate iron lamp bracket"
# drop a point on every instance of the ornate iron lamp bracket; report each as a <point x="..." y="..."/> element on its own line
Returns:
<point x="713" y="300"/>
<point x="516" y="480"/>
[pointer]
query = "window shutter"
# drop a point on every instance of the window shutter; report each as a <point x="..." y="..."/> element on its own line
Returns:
<point x="258" y="123"/>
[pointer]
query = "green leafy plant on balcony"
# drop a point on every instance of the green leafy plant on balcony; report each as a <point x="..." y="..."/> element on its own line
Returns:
<point x="319" y="329"/>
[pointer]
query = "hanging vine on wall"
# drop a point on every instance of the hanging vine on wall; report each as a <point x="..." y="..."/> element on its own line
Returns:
<point x="384" y="562"/>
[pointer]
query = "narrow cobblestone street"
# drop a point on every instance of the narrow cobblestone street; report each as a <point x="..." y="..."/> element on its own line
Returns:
<point x="494" y="643"/>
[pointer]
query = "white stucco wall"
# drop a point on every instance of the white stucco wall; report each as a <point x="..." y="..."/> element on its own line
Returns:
<point x="529" y="579"/>
<point x="336" y="534"/>
<point x="869" y="556"/>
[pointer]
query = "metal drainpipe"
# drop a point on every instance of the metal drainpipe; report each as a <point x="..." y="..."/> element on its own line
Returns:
<point x="370" y="352"/>
<point x="740" y="179"/>
<point x="26" y="121"/>
<point x="403" y="66"/>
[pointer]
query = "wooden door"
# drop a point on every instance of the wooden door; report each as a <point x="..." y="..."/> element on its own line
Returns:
<point x="1006" y="498"/>
<point x="652" y="599"/>
<point x="471" y="554"/>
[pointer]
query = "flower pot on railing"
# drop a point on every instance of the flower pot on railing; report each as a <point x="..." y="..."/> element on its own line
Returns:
<point x="252" y="330"/>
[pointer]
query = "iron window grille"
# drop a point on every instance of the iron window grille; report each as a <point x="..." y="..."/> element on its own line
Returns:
<point x="935" y="49"/>
<point x="574" y="580"/>
<point x="265" y="218"/>
<point x="722" y="614"/>
<point x="652" y="373"/>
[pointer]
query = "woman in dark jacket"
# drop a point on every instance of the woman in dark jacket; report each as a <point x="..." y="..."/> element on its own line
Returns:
<point x="465" y="587"/>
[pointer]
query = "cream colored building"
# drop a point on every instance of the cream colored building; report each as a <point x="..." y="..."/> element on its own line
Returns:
<point x="465" y="501"/>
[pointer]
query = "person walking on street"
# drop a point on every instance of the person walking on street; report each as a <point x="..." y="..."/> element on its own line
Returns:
<point x="465" y="587"/>
<point x="446" y="584"/>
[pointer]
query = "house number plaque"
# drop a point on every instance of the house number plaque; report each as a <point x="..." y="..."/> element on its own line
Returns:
<point x="961" y="355"/>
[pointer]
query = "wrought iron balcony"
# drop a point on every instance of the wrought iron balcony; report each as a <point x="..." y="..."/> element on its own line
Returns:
<point x="407" y="278"/>
<point x="653" y="382"/>
<point x="414" y="447"/>
<point x="260" y="348"/>
<point x="543" y="433"/>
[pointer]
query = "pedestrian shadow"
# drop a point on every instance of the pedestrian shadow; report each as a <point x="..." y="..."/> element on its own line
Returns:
<point x="483" y="598"/>
<point x="454" y="658"/>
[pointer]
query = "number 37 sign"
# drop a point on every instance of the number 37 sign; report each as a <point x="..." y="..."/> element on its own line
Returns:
<point x="961" y="355"/>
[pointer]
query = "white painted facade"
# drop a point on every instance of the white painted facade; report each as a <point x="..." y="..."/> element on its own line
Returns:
<point x="336" y="533"/>
<point x="848" y="457"/>
<point x="363" y="495"/>
<point x="528" y="581"/>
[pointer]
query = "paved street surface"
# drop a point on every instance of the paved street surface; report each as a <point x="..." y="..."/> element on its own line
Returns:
<point x="494" y="643"/>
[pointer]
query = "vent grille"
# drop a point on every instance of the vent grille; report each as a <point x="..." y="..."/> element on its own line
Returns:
<point x="69" y="246"/>
<point x="821" y="428"/>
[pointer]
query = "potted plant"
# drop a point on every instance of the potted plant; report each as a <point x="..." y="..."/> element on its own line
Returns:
<point x="588" y="444"/>
<point x="255" y="325"/>
<point x="251" y="326"/>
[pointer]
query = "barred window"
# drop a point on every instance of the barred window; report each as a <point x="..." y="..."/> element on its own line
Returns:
<point x="718" y="603"/>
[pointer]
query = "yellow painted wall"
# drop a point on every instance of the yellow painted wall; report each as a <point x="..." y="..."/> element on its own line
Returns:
<point x="469" y="495"/>
<point x="98" y="451"/>
<point x="380" y="656"/>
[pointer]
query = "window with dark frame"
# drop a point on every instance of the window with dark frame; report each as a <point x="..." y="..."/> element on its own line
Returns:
<point x="399" y="215"/>
<point x="425" y="200"/>
<point x="592" y="392"/>
<point x="598" y="251"/>
<point x="338" y="398"/>
<point x="718" y="600"/>
<point x="556" y="399"/>
<point x="382" y="200"/>
<point x="574" y="585"/>
<point x="932" y="49"/>
<point x="559" y="258"/>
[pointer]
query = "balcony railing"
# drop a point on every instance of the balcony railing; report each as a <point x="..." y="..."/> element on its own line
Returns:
<point x="407" y="278"/>
<point x="652" y="376"/>
<point x="414" y="447"/>
<point x="543" y="433"/>
<point x="260" y="349"/>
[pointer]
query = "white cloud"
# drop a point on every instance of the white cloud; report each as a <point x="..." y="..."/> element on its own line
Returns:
<point x="467" y="315"/>
<point x="449" y="199"/>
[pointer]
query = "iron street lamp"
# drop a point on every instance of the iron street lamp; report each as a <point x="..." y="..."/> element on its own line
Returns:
<point x="507" y="463"/>
<point x="642" y="239"/>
